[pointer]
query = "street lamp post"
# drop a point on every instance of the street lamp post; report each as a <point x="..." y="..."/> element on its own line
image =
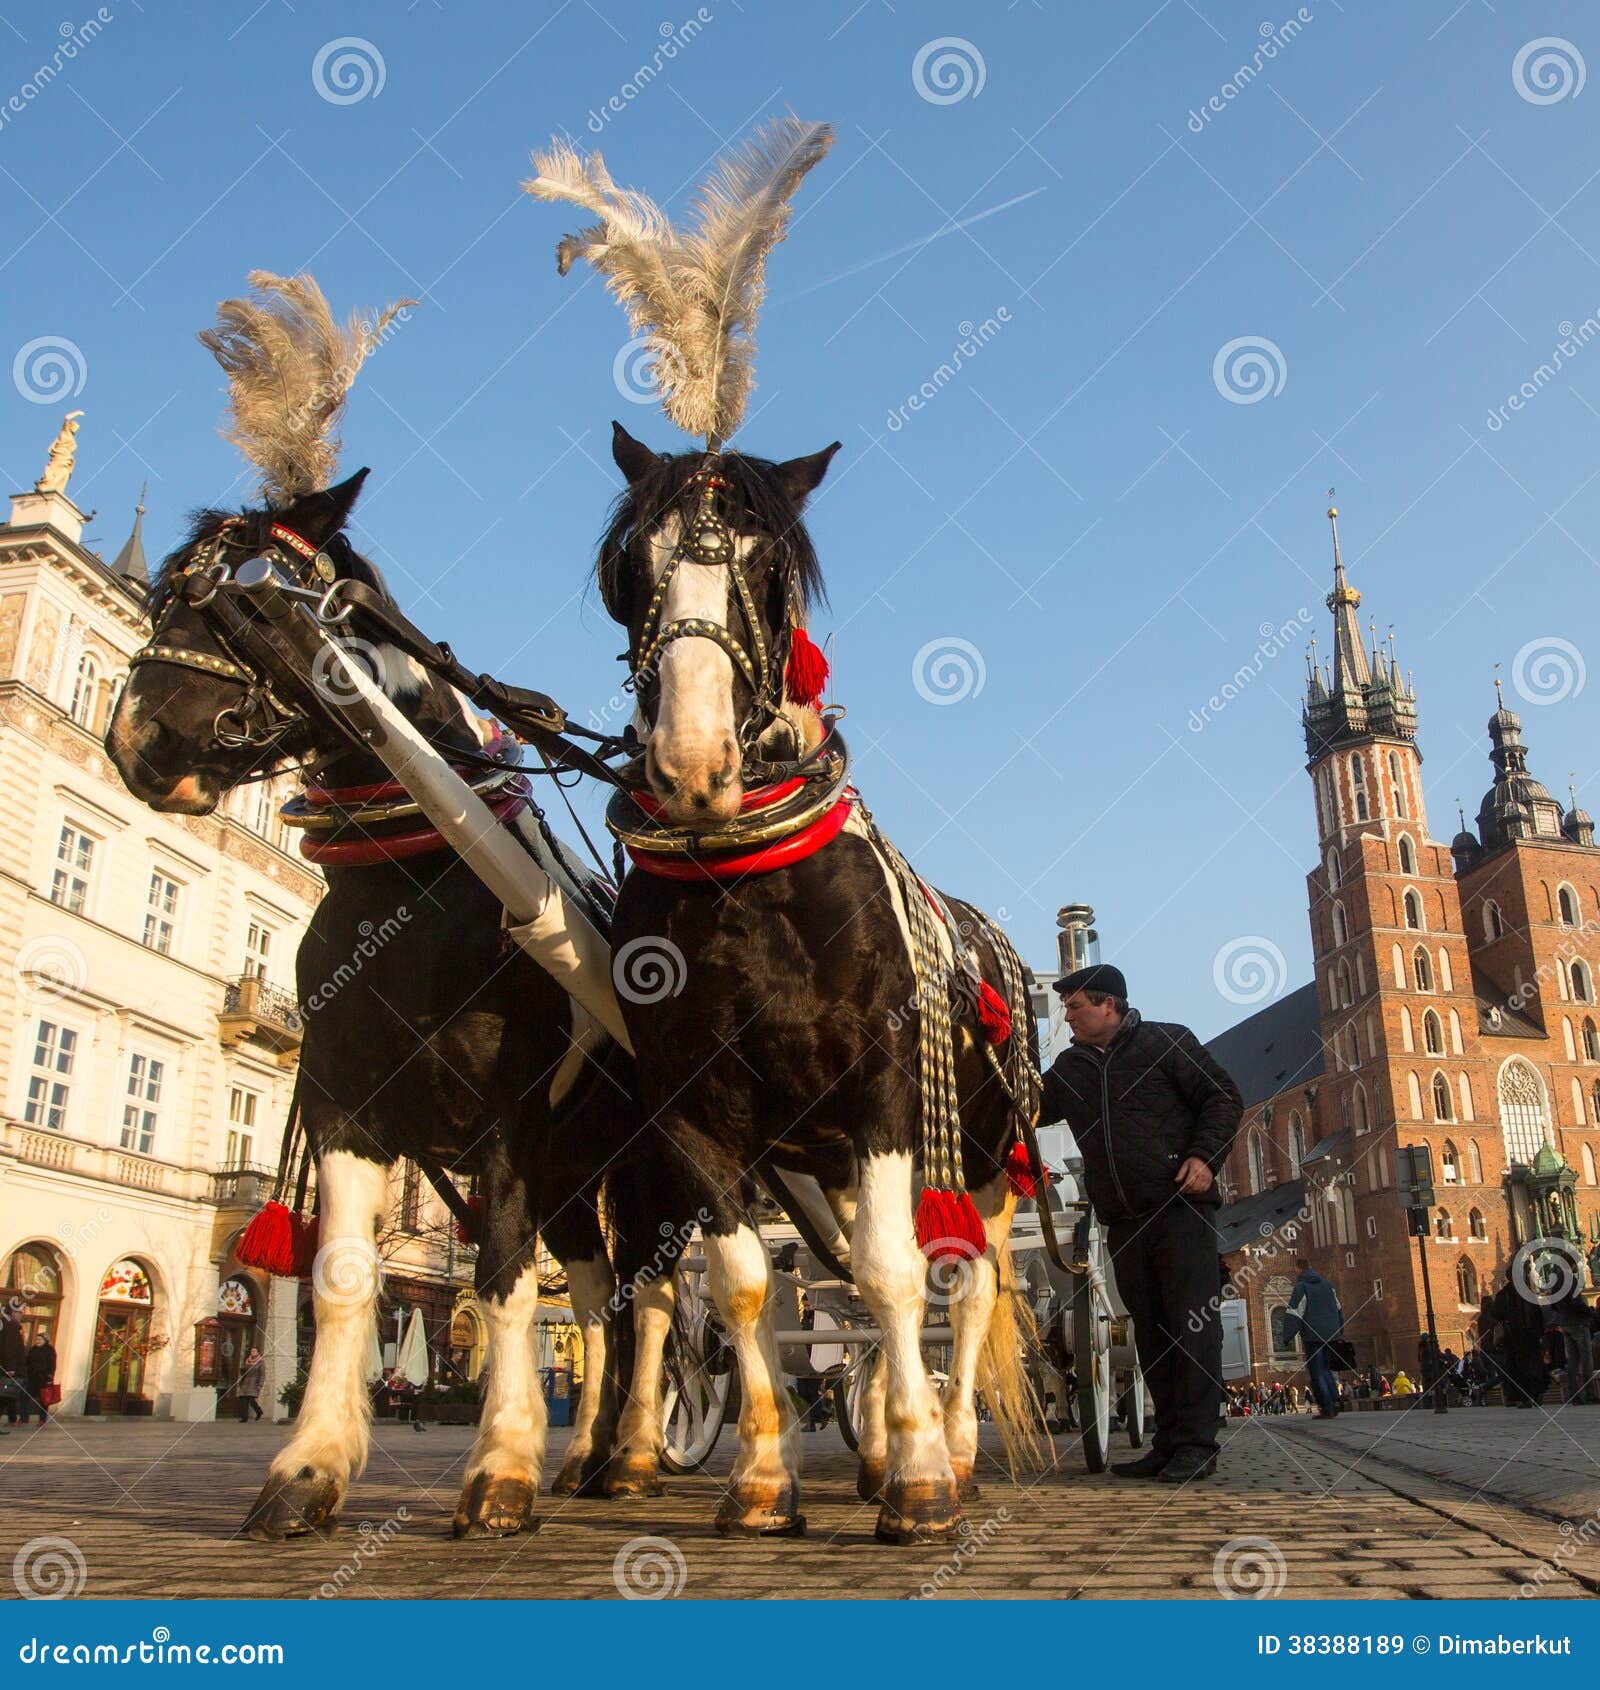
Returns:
<point x="1414" y="1176"/>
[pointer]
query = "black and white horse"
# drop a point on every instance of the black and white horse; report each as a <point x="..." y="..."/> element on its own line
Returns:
<point x="794" y="1042"/>
<point x="449" y="1045"/>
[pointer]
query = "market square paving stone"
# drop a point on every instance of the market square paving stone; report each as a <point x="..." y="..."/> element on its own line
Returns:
<point x="155" y="1510"/>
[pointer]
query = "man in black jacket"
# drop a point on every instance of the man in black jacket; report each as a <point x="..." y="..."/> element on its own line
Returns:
<point x="1153" y="1117"/>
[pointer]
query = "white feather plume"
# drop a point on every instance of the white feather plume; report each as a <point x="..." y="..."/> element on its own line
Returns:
<point x="289" y="366"/>
<point x="692" y="297"/>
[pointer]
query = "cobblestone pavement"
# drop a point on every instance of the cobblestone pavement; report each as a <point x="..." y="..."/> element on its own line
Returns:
<point x="1349" y="1508"/>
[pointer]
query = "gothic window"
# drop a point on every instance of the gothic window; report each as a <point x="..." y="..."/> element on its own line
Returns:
<point x="1358" y="782"/>
<point x="1464" y="1086"/>
<point x="1477" y="1228"/>
<point x="1422" y="969"/>
<point x="1297" y="1144"/>
<point x="1570" y="1043"/>
<point x="86" y="692"/>
<point x="1398" y="781"/>
<point x="1333" y="871"/>
<point x="1455" y="1034"/>
<point x="1587" y="1157"/>
<point x="1467" y="1283"/>
<point x="1257" y="1160"/>
<point x="1361" y="974"/>
<point x="1442" y="1110"/>
<point x="1408" y="855"/>
<point x="1414" y="1096"/>
<point x="1432" y="1034"/>
<point x="1493" y="926"/>
<point x="1474" y="1164"/>
<point x="1444" y="1229"/>
<point x="1567" y="906"/>
<point x="1407" y="1039"/>
<point x="1446" y="978"/>
<point x="1577" y="1100"/>
<point x="1358" y="1109"/>
<point x="1582" y="983"/>
<point x="1372" y="1037"/>
<point x="1341" y="931"/>
<point x="1398" y="958"/>
<point x="1449" y="1164"/>
<point x="1414" y="909"/>
<point x="1343" y="977"/>
<point x="1523" y="1112"/>
<point x="1594" y="1098"/>
<point x="1591" y="1040"/>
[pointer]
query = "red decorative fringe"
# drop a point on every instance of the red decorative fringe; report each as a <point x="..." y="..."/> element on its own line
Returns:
<point x="1019" y="1171"/>
<point x="279" y="1242"/>
<point x="806" y="672"/>
<point x="948" y="1225"/>
<point x="994" y="1014"/>
<point x="471" y="1236"/>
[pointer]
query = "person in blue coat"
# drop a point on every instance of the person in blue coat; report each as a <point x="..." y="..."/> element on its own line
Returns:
<point x="1314" y="1316"/>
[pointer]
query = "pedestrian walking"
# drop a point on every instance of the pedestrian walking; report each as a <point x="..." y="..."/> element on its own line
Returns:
<point x="13" y="1365"/>
<point x="1154" y="1116"/>
<point x="252" y="1377"/>
<point x="1315" y="1318"/>
<point x="39" y="1375"/>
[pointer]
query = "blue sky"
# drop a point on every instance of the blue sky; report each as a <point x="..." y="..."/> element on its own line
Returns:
<point x="1393" y="217"/>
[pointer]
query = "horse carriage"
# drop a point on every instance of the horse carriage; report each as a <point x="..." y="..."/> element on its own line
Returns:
<point x="833" y="1028"/>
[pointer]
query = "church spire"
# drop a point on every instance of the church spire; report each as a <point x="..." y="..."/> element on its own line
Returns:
<point x="130" y="562"/>
<point x="1350" y="670"/>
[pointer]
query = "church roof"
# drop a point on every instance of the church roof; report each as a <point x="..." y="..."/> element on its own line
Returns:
<point x="1498" y="1017"/>
<point x="1258" y="1216"/>
<point x="1276" y="1048"/>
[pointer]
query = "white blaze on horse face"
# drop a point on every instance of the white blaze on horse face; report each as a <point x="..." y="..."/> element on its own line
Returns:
<point x="694" y="747"/>
<point x="331" y="1429"/>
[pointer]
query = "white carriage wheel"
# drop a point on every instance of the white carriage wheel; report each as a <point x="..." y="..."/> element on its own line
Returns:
<point x="1134" y="1401"/>
<point x="701" y="1381"/>
<point x="1091" y="1352"/>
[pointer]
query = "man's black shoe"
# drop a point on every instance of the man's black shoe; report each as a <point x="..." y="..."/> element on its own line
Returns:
<point x="1148" y="1466"/>
<point x="1188" y="1465"/>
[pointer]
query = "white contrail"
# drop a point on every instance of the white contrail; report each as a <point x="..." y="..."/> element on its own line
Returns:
<point x="912" y="246"/>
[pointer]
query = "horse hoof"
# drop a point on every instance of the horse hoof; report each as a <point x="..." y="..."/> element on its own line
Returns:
<point x="495" y="1505"/>
<point x="762" y="1513"/>
<point x="968" y="1489"/>
<point x="920" y="1511"/>
<point x="632" y="1483"/>
<point x="870" y="1476"/>
<point x="295" y="1507"/>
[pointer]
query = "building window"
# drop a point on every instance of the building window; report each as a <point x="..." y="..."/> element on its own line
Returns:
<point x="1341" y="931"/>
<point x="55" y="1049"/>
<point x="1297" y="1144"/>
<point x="1591" y="1040"/>
<point x="1422" y="969"/>
<point x="1432" y="1034"/>
<point x="1588" y="1165"/>
<point x="1582" y="983"/>
<point x="86" y="693"/>
<point x="1414" y="909"/>
<point x="1493" y="926"/>
<point x="1522" y="1110"/>
<point x="1333" y="871"/>
<point x="1397" y="780"/>
<point x="1358" y="1109"/>
<point x="257" y="950"/>
<point x="1372" y="1227"/>
<point x="1477" y="1227"/>
<point x="140" y="1113"/>
<point x="1342" y="977"/>
<point x="241" y="1127"/>
<point x="1444" y="1229"/>
<point x="1449" y="1164"/>
<point x="1567" y="906"/>
<point x="1377" y="1290"/>
<point x="161" y="913"/>
<point x="1408" y="855"/>
<point x="69" y="887"/>
<point x="1467" y="1283"/>
<point x="1441" y="1099"/>
<point x="1474" y="1163"/>
<point x="1358" y="782"/>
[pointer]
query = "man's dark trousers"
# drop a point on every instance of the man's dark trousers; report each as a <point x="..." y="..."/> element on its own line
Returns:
<point x="1319" y="1369"/>
<point x="1167" y="1276"/>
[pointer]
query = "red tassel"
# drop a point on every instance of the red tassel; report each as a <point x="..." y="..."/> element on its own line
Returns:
<point x="307" y="1241"/>
<point x="968" y="1224"/>
<point x="994" y="1014"/>
<point x="806" y="672"/>
<point x="1019" y="1171"/>
<point x="463" y="1234"/>
<point x="275" y="1242"/>
<point x="948" y="1226"/>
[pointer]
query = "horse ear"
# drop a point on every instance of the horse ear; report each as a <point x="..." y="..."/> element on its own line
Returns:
<point x="802" y="476"/>
<point x="632" y="457"/>
<point x="319" y="516"/>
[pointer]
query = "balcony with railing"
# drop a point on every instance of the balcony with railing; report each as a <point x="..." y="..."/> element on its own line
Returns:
<point x="245" y="1186"/>
<point x="253" y="1008"/>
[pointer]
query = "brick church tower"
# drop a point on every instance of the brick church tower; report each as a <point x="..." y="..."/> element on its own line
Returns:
<point x="1452" y="1005"/>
